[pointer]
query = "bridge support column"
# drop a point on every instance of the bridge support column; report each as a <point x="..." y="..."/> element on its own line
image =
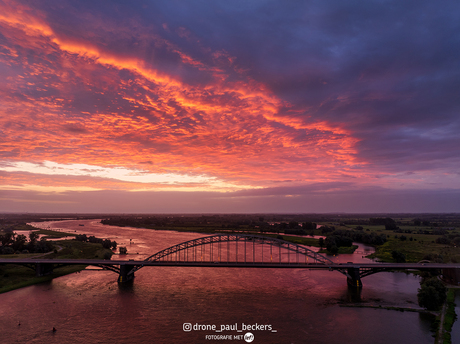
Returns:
<point x="353" y="278"/>
<point x="451" y="275"/>
<point x="125" y="276"/>
<point x="43" y="269"/>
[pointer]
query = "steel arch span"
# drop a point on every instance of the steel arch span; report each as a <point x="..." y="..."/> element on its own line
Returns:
<point x="239" y="248"/>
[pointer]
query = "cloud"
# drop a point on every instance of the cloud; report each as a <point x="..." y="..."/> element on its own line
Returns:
<point x="117" y="201"/>
<point x="108" y="108"/>
<point x="261" y="95"/>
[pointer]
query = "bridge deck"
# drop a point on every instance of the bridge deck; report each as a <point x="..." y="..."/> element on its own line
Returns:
<point x="99" y="262"/>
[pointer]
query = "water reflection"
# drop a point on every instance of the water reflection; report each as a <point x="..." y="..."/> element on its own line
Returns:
<point x="353" y="295"/>
<point x="302" y="305"/>
<point x="456" y="327"/>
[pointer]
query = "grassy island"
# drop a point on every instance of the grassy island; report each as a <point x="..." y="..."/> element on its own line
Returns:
<point x="16" y="276"/>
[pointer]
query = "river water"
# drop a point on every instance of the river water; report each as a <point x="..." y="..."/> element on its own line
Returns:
<point x="456" y="327"/>
<point x="302" y="306"/>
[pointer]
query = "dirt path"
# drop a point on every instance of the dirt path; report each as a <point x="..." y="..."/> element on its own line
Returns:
<point x="44" y="254"/>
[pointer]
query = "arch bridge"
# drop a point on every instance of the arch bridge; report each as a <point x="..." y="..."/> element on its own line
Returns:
<point x="239" y="248"/>
<point x="231" y="250"/>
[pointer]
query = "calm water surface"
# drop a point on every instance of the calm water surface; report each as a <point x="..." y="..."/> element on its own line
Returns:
<point x="303" y="306"/>
<point x="456" y="327"/>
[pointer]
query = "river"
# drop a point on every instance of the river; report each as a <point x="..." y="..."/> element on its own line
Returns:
<point x="456" y="326"/>
<point x="302" y="306"/>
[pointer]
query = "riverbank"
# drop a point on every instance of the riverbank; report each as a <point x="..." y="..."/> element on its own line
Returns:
<point x="443" y="322"/>
<point x="17" y="276"/>
<point x="447" y="318"/>
<point x="391" y="308"/>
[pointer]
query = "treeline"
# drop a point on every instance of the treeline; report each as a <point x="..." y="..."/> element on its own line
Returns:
<point x="106" y="243"/>
<point x="291" y="227"/>
<point x="449" y="239"/>
<point x="390" y="223"/>
<point x="14" y="243"/>
<point x="289" y="224"/>
<point x="173" y="222"/>
<point x="236" y="222"/>
<point x="203" y="221"/>
<point x="341" y="237"/>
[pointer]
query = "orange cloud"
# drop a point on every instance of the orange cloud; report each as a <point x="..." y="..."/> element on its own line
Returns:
<point x="70" y="105"/>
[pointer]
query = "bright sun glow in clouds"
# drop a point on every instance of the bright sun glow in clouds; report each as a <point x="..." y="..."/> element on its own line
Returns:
<point x="49" y="168"/>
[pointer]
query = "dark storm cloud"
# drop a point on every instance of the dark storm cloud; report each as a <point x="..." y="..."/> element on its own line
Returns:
<point x="310" y="52"/>
<point x="387" y="70"/>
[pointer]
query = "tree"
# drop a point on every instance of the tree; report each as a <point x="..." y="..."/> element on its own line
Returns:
<point x="391" y="226"/>
<point x="333" y="249"/>
<point x="33" y="237"/>
<point x="43" y="246"/>
<point x="398" y="256"/>
<point x="443" y="240"/>
<point x="432" y="294"/>
<point x="293" y="224"/>
<point x="81" y="237"/>
<point x="7" y="250"/>
<point x="330" y="241"/>
<point x="19" y="242"/>
<point x="107" y="243"/>
<point x="7" y="238"/>
<point x="321" y="243"/>
<point x="309" y="225"/>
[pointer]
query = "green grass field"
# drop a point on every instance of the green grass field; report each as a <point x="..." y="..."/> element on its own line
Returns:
<point x="16" y="276"/>
<point x="54" y="234"/>
<point x="416" y="249"/>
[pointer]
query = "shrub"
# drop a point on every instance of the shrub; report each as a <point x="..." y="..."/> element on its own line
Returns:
<point x="108" y="255"/>
<point x="8" y="250"/>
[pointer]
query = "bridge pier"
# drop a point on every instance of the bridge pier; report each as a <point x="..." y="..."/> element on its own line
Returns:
<point x="43" y="269"/>
<point x="451" y="275"/>
<point x="125" y="275"/>
<point x="354" y="278"/>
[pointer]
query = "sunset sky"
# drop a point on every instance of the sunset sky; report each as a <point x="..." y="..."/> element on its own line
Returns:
<point x="229" y="106"/>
